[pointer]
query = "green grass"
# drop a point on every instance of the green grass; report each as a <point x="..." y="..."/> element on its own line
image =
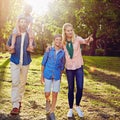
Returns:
<point x="101" y="96"/>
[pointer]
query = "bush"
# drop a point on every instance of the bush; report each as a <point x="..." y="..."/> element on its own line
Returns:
<point x="99" y="52"/>
<point x="110" y="52"/>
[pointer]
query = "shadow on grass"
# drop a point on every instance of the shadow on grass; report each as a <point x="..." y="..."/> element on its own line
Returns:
<point x="100" y="76"/>
<point x="73" y="118"/>
<point x="9" y="117"/>
<point x="47" y="117"/>
<point x="109" y="79"/>
<point x="106" y="63"/>
<point x="34" y="105"/>
<point x="98" y="98"/>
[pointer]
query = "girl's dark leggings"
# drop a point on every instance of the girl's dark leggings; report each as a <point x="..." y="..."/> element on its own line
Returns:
<point x="78" y="74"/>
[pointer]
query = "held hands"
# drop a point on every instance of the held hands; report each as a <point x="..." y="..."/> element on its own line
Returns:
<point x="10" y="49"/>
<point x="48" y="48"/>
<point x="19" y="33"/>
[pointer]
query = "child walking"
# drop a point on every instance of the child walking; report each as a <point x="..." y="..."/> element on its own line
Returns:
<point x="52" y="67"/>
<point x="17" y="32"/>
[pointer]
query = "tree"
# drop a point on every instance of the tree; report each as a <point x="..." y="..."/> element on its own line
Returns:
<point x="8" y="18"/>
<point x="100" y="18"/>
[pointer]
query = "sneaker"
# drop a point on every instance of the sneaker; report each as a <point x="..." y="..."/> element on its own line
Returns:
<point x="70" y="113"/>
<point x="47" y="106"/>
<point x="80" y="113"/>
<point x="52" y="116"/>
<point x="15" y="111"/>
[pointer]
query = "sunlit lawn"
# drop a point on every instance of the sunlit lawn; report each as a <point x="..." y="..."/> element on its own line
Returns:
<point x="101" y="98"/>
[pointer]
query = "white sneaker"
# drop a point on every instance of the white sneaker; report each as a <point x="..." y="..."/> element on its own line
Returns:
<point x="70" y="113"/>
<point x="78" y="110"/>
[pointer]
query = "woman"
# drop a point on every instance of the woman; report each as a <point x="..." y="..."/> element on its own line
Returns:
<point x="74" y="65"/>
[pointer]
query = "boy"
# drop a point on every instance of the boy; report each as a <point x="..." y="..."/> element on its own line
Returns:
<point x="17" y="32"/>
<point x="52" y="66"/>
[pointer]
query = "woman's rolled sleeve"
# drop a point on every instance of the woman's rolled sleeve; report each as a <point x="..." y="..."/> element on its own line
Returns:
<point x="81" y="40"/>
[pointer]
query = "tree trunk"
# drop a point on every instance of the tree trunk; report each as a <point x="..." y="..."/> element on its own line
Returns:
<point x="93" y="44"/>
<point x="105" y="45"/>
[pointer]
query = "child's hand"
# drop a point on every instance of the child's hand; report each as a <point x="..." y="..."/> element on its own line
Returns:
<point x="30" y="49"/>
<point x="42" y="79"/>
<point x="18" y="33"/>
<point x="11" y="47"/>
<point x="48" y="48"/>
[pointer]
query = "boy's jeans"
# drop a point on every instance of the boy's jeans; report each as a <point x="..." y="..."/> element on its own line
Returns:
<point x="19" y="78"/>
<point x="71" y="74"/>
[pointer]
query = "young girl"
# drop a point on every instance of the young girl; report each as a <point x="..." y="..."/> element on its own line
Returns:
<point x="74" y="65"/>
<point x="52" y="66"/>
<point x="16" y="31"/>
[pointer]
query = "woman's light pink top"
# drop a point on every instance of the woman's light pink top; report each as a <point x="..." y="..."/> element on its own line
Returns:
<point x="77" y="60"/>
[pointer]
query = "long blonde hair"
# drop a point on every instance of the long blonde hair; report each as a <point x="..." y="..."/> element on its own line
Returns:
<point x="64" y="38"/>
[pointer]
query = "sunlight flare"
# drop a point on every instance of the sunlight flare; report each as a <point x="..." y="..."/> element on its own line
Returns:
<point x="92" y="69"/>
<point x="40" y="7"/>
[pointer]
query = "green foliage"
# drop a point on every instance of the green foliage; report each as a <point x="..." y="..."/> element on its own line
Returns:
<point x="99" y="52"/>
<point x="7" y="29"/>
<point x="97" y="17"/>
<point x="13" y="10"/>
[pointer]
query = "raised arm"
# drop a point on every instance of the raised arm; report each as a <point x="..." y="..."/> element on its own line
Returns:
<point x="17" y="26"/>
<point x="89" y="39"/>
<point x="86" y="40"/>
<point x="30" y="24"/>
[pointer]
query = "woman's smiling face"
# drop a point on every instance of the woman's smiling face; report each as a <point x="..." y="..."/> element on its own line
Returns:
<point x="69" y="32"/>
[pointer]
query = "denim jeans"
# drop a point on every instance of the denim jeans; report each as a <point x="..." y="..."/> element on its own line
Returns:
<point x="78" y="74"/>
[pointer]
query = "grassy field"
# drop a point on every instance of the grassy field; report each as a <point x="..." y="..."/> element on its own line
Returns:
<point x="101" y="96"/>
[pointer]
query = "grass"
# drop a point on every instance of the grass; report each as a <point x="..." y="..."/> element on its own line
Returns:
<point x="101" y="96"/>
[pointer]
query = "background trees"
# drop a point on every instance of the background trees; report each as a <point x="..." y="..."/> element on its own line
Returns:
<point x="100" y="18"/>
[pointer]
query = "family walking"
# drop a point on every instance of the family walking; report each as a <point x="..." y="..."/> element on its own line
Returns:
<point x="64" y="55"/>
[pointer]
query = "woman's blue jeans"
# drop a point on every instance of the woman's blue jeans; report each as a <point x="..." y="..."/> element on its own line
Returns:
<point x="79" y="75"/>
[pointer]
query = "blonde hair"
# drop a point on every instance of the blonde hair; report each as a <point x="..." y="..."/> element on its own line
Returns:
<point x="64" y="35"/>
